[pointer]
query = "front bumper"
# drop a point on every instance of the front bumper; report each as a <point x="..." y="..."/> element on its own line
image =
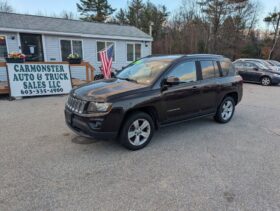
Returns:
<point x="275" y="79"/>
<point x="93" y="127"/>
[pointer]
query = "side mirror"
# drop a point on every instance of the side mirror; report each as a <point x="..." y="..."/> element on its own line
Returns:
<point x="171" y="81"/>
<point x="256" y="68"/>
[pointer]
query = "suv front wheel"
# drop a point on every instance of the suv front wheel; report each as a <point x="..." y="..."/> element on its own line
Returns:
<point x="225" y="111"/>
<point x="137" y="131"/>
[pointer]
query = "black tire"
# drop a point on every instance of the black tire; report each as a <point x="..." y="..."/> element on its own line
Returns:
<point x="129" y="126"/>
<point x="266" y="81"/>
<point x="222" y="116"/>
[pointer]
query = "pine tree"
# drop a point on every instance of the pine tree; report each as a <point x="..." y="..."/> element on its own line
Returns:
<point x="95" y="10"/>
<point x="135" y="12"/>
<point x="142" y="15"/>
<point x="121" y="17"/>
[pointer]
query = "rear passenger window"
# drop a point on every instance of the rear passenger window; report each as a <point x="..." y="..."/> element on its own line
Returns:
<point x="208" y="70"/>
<point x="236" y="64"/>
<point x="186" y="72"/>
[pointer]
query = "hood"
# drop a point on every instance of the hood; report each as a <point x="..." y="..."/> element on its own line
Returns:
<point x="104" y="90"/>
<point x="275" y="68"/>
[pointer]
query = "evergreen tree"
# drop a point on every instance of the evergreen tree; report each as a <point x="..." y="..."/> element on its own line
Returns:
<point x="121" y="17"/>
<point x="135" y="12"/>
<point x="95" y="10"/>
<point x="142" y="15"/>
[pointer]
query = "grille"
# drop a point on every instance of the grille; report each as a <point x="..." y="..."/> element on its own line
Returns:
<point x="76" y="105"/>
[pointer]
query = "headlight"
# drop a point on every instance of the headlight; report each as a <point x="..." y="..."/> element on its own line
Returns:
<point x="277" y="75"/>
<point x="98" y="107"/>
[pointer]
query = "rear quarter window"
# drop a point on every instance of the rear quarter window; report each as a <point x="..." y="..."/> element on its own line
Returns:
<point x="227" y="68"/>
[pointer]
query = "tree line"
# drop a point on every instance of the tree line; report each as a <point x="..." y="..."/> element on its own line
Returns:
<point x="227" y="27"/>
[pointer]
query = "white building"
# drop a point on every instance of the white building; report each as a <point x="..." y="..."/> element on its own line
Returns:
<point x="45" y="39"/>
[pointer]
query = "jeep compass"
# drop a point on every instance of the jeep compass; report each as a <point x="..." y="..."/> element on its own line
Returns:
<point x="153" y="92"/>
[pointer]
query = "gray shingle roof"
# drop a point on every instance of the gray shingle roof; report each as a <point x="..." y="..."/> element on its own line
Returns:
<point x="49" y="24"/>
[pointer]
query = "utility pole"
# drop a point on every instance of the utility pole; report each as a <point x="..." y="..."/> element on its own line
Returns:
<point x="151" y="28"/>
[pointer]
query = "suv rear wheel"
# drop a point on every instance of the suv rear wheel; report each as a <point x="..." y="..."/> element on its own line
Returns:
<point x="225" y="111"/>
<point x="137" y="131"/>
<point x="266" y="81"/>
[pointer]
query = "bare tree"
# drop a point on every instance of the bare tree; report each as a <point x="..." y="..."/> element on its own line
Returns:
<point x="5" y="7"/>
<point x="67" y="15"/>
<point x="274" y="19"/>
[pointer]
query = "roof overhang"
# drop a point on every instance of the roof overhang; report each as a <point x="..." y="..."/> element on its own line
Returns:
<point x="76" y="34"/>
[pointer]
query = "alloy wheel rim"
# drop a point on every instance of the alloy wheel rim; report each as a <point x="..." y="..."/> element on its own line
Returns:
<point x="139" y="132"/>
<point x="227" y="110"/>
<point x="265" y="81"/>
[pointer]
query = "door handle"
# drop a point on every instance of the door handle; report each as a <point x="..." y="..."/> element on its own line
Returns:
<point x="195" y="89"/>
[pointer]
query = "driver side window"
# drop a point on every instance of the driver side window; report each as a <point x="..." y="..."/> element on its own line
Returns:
<point x="186" y="72"/>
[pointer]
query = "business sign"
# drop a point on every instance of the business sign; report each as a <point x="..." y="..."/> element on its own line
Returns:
<point x="38" y="79"/>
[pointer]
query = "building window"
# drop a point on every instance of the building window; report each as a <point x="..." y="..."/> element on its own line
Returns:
<point x="3" y="48"/>
<point x="71" y="47"/>
<point x="101" y="45"/>
<point x="133" y="52"/>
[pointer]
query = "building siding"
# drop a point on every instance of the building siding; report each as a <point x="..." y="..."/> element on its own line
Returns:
<point x="12" y="45"/>
<point x="12" y="41"/>
<point x="3" y="74"/>
<point x="53" y="51"/>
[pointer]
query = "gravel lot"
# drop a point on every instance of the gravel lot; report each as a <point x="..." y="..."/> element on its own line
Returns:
<point x="199" y="165"/>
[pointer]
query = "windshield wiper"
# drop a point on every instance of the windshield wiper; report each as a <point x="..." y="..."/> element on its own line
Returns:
<point x="129" y="79"/>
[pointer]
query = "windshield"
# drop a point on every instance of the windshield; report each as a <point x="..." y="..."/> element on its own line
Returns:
<point x="261" y="65"/>
<point x="145" y="71"/>
<point x="274" y="62"/>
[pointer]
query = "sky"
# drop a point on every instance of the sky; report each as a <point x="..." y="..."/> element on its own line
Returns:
<point x="56" y="6"/>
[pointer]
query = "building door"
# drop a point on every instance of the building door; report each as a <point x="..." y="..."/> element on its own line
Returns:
<point x="32" y="47"/>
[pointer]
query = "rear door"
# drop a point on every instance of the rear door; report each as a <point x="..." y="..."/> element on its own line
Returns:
<point x="210" y="86"/>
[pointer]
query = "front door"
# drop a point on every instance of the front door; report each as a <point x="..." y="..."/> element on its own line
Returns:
<point x="32" y="47"/>
<point x="254" y="73"/>
<point x="182" y="101"/>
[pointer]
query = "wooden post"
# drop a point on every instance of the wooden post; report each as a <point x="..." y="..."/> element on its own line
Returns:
<point x="92" y="73"/>
<point x="2" y="64"/>
<point x="87" y="72"/>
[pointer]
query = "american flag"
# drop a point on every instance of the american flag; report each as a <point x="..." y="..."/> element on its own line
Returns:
<point x="106" y="57"/>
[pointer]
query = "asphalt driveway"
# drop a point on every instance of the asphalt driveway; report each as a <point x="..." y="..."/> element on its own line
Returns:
<point x="199" y="165"/>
